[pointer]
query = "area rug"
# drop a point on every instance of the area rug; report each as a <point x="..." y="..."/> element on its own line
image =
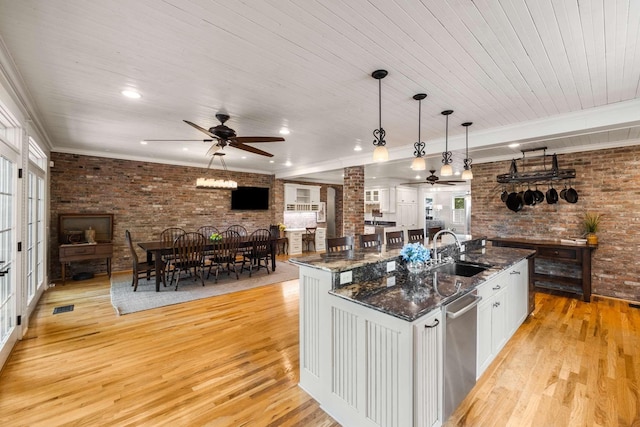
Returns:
<point x="125" y="301"/>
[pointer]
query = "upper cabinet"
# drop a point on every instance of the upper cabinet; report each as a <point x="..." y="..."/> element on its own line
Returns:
<point x="407" y="195"/>
<point x="301" y="198"/>
<point x="381" y="198"/>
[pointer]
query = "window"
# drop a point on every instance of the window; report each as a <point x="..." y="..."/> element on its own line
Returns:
<point x="458" y="210"/>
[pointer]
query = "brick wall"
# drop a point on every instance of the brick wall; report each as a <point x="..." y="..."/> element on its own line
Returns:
<point x="145" y="198"/>
<point x="607" y="181"/>
<point x="353" y="201"/>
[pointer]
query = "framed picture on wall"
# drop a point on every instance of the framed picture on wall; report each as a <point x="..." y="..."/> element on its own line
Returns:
<point x="321" y="215"/>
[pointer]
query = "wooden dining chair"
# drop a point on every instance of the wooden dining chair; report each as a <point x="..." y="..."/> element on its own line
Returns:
<point x="369" y="241"/>
<point x="167" y="237"/>
<point x="238" y="229"/>
<point x="415" y="236"/>
<point x="338" y="244"/>
<point x="207" y="231"/>
<point x="224" y="253"/>
<point x="140" y="269"/>
<point x="188" y="256"/>
<point x="259" y="253"/>
<point x="431" y="231"/>
<point x="309" y="238"/>
<point x="395" y="239"/>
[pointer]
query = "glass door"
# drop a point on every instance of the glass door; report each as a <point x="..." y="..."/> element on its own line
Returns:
<point x="8" y="251"/>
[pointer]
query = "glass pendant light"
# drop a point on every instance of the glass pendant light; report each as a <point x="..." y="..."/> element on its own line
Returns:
<point x="447" y="169"/>
<point x="467" y="174"/>
<point x="380" y="153"/>
<point x="418" y="163"/>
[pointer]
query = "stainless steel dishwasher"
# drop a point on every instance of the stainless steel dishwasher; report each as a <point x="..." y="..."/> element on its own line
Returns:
<point x="459" y="350"/>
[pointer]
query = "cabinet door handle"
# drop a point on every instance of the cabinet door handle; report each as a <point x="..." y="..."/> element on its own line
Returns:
<point x="515" y="272"/>
<point x="3" y="272"/>
<point x="436" y="323"/>
<point x="497" y="287"/>
<point x="496" y="304"/>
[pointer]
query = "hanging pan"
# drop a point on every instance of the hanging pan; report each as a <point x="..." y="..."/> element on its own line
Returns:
<point x="571" y="195"/>
<point x="514" y="202"/>
<point x="552" y="195"/>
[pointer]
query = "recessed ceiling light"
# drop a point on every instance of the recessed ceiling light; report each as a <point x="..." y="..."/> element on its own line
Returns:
<point x="357" y="148"/>
<point x="373" y="177"/>
<point x="243" y="157"/>
<point x="284" y="131"/>
<point x="457" y="173"/>
<point x="130" y="93"/>
<point x="287" y="163"/>
<point x="272" y="161"/>
<point x="418" y="177"/>
<point x="185" y="149"/>
<point x="143" y="142"/>
<point x="514" y="145"/>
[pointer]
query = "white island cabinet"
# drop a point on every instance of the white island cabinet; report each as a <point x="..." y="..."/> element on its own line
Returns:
<point x="367" y="368"/>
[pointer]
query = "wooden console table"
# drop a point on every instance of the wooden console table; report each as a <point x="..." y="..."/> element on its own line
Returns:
<point x="83" y="252"/>
<point x="572" y="255"/>
<point x="76" y="246"/>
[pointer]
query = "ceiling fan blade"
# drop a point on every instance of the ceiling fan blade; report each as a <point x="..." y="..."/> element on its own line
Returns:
<point x="201" y="129"/>
<point x="245" y="139"/>
<point x="250" y="149"/>
<point x="452" y="182"/>
<point x="178" y="140"/>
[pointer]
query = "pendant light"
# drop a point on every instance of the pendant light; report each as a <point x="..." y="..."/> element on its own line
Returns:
<point x="380" y="153"/>
<point x="467" y="174"/>
<point x="447" y="169"/>
<point x="418" y="163"/>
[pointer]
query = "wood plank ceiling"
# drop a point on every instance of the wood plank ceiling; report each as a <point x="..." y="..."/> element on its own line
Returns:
<point x="549" y="66"/>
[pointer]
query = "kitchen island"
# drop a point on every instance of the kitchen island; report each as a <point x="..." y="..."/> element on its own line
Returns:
<point x="371" y="333"/>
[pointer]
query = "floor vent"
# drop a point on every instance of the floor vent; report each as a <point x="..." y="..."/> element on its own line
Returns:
<point x="634" y="305"/>
<point x="63" y="309"/>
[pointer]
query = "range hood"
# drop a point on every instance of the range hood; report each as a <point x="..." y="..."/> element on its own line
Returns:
<point x="553" y="174"/>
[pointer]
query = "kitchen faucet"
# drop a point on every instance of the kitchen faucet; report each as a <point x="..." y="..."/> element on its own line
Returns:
<point x="435" y="240"/>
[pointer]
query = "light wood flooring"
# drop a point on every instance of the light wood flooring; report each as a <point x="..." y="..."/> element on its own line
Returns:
<point x="232" y="360"/>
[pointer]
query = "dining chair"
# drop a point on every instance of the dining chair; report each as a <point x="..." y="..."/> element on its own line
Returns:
<point x="309" y="238"/>
<point x="259" y="253"/>
<point x="337" y="244"/>
<point x="207" y="231"/>
<point x="415" y="236"/>
<point x="224" y="252"/>
<point x="369" y="241"/>
<point x="238" y="229"/>
<point x="188" y="256"/>
<point x="431" y="231"/>
<point x="140" y="269"/>
<point x="167" y="237"/>
<point x="395" y="239"/>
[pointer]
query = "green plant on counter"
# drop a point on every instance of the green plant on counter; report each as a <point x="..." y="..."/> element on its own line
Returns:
<point x="591" y="222"/>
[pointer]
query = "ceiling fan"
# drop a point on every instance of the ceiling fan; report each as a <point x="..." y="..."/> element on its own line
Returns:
<point x="433" y="179"/>
<point x="222" y="135"/>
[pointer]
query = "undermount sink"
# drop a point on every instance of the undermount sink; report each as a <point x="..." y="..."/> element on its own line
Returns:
<point x="462" y="268"/>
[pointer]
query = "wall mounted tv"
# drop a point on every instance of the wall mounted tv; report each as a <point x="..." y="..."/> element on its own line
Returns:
<point x="250" y="198"/>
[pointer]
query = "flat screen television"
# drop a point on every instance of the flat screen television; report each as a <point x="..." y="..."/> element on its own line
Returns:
<point x="250" y="198"/>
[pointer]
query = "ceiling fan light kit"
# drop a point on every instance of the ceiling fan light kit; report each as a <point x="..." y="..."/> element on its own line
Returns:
<point x="418" y="163"/>
<point x="447" y="169"/>
<point x="467" y="174"/>
<point x="380" y="153"/>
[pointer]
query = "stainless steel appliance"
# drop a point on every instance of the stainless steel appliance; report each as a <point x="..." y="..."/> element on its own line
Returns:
<point x="459" y="350"/>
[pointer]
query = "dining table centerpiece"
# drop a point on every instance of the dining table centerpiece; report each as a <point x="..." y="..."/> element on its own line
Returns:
<point x="215" y="237"/>
<point x="415" y="256"/>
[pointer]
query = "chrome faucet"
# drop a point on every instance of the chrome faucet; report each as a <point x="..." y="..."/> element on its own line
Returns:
<point x="435" y="240"/>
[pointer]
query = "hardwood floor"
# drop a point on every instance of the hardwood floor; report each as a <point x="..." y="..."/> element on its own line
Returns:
<point x="232" y="360"/>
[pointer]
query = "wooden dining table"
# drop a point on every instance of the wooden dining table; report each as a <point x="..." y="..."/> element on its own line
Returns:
<point x="156" y="249"/>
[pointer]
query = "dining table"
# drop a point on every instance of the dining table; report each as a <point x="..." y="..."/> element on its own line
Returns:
<point x="155" y="250"/>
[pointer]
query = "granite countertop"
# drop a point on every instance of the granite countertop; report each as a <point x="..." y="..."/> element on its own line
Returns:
<point x="411" y="296"/>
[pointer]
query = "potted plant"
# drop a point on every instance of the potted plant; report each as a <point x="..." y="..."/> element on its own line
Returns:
<point x="282" y="228"/>
<point x="591" y="224"/>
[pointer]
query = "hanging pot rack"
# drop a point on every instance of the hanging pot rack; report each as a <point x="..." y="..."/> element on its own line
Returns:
<point x="552" y="174"/>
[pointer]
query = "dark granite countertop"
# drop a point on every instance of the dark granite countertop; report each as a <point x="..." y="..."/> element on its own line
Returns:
<point x="411" y="296"/>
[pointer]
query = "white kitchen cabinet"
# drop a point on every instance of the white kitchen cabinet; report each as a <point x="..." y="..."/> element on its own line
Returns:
<point x="517" y="296"/>
<point x="301" y="198"/>
<point x="427" y="379"/>
<point x="503" y="308"/>
<point x="407" y="215"/>
<point x="295" y="240"/>
<point x="406" y="195"/>
<point x="372" y="195"/>
<point x="321" y="236"/>
<point x="387" y="200"/>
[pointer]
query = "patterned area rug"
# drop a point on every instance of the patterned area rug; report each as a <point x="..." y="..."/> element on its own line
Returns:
<point x="125" y="301"/>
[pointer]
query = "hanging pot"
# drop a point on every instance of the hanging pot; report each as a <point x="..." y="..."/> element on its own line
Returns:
<point x="563" y="192"/>
<point x="552" y="196"/>
<point x="538" y="195"/>
<point x="504" y="195"/>
<point x="529" y="197"/>
<point x="571" y="195"/>
<point x="514" y="202"/>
